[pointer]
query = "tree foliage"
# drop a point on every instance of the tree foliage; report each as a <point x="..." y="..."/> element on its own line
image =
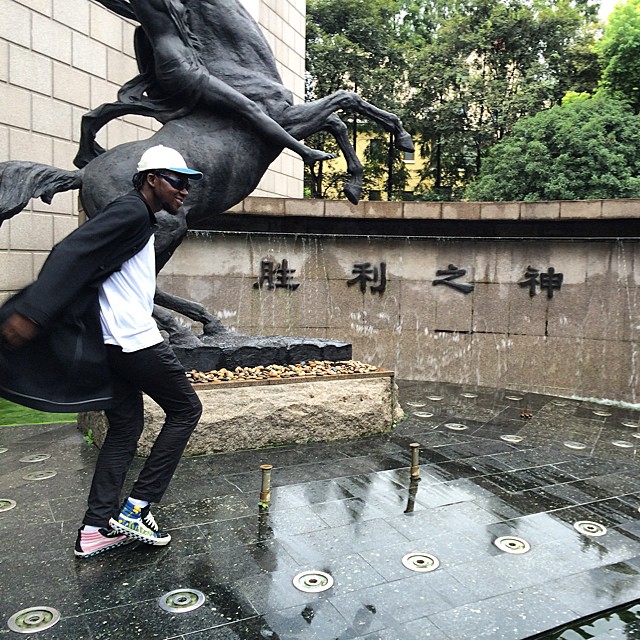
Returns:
<point x="619" y="50"/>
<point x="586" y="148"/>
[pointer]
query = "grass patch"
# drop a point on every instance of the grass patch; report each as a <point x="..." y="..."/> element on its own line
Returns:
<point x="13" y="415"/>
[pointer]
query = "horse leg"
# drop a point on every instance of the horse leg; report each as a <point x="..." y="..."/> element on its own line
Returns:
<point x="193" y="310"/>
<point x="338" y="129"/>
<point x="302" y="119"/>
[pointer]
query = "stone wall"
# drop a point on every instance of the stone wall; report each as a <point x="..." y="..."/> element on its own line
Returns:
<point x="61" y="58"/>
<point x="580" y="338"/>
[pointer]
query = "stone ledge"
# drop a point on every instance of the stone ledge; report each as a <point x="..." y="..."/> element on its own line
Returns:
<point x="258" y="414"/>
<point x="552" y="210"/>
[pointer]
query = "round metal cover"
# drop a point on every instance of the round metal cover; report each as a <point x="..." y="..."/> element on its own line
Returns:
<point x="516" y="398"/>
<point x="423" y="414"/>
<point x="181" y="600"/>
<point x="509" y="438"/>
<point x="415" y="405"/>
<point x="6" y="504"/>
<point x="40" y="475"/>
<point x="35" y="457"/>
<point x="434" y="398"/>
<point x="455" y="426"/>
<point x="635" y="435"/>
<point x="33" y="620"/>
<point x="575" y="445"/>
<point x="623" y="444"/>
<point x="512" y="544"/>
<point x="560" y="403"/>
<point x="421" y="562"/>
<point x="632" y="425"/>
<point x="603" y="414"/>
<point x="313" y="581"/>
<point x="469" y="395"/>
<point x="3" y="449"/>
<point x="590" y="528"/>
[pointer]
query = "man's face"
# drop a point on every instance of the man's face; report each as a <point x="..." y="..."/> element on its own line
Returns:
<point x="170" y="189"/>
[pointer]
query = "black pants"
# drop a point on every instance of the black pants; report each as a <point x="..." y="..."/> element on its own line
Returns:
<point x="156" y="372"/>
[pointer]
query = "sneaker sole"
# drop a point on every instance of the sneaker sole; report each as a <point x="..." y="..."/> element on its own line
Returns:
<point x="140" y="537"/>
<point x="82" y="554"/>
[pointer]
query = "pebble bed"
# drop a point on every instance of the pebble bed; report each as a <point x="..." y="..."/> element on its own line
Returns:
<point x="311" y="369"/>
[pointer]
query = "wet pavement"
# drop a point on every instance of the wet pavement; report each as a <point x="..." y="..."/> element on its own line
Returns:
<point x="350" y="510"/>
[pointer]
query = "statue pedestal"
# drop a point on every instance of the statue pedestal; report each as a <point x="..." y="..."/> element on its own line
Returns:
<point x="267" y="413"/>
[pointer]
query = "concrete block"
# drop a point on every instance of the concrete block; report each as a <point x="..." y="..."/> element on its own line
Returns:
<point x="460" y="210"/>
<point x="30" y="70"/>
<point x="52" y="39"/>
<point x="312" y="207"/>
<point x="490" y="308"/>
<point x="40" y="6"/>
<point x="622" y="208"/>
<point x="264" y="206"/>
<point x="29" y="146"/>
<point x="4" y="61"/>
<point x="15" y="25"/>
<point x="343" y="209"/>
<point x="581" y="209"/>
<point x="499" y="210"/>
<point x="386" y="210"/>
<point x="52" y="117"/>
<point x="105" y="26"/>
<point x="73" y="13"/>
<point x="31" y="232"/>
<point x="540" y="210"/>
<point x="71" y="85"/>
<point x="15" y="107"/>
<point x="120" y="68"/>
<point x="89" y="55"/>
<point x="426" y="210"/>
<point x="17" y="270"/>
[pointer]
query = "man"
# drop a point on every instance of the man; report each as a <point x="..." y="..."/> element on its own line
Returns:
<point x="82" y="337"/>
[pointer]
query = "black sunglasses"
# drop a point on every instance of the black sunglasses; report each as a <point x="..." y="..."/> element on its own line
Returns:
<point x="177" y="183"/>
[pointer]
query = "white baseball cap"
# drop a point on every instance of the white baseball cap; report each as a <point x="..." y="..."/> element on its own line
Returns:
<point x="161" y="157"/>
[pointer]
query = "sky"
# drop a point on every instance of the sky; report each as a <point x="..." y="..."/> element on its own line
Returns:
<point x="606" y="6"/>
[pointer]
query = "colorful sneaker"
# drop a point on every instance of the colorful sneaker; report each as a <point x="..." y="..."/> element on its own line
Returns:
<point x="148" y="519"/>
<point x="130" y="523"/>
<point x="91" y="543"/>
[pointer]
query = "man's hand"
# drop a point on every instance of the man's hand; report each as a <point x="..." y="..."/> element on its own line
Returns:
<point x="18" y="329"/>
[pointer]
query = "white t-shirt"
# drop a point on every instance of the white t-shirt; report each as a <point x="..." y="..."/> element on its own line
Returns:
<point x="126" y="303"/>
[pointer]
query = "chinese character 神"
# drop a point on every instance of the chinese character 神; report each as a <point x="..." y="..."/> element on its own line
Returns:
<point x="452" y="272"/>
<point x="364" y="272"/>
<point x="276" y="276"/>
<point x="551" y="281"/>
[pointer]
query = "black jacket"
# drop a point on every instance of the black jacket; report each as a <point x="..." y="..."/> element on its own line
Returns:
<point x="64" y="367"/>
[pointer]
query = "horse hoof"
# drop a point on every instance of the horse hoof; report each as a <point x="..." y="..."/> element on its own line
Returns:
<point x="353" y="193"/>
<point x="404" y="142"/>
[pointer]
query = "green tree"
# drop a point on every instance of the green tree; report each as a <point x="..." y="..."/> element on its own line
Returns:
<point x="619" y="50"/>
<point x="477" y="67"/>
<point x="586" y="148"/>
<point x="353" y="45"/>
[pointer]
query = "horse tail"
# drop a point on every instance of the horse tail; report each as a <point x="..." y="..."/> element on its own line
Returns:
<point x="20" y="181"/>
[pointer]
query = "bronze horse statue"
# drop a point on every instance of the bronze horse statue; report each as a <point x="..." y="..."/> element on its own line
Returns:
<point x="213" y="83"/>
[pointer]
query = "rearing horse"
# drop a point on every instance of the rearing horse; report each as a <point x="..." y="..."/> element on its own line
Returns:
<point x="232" y="147"/>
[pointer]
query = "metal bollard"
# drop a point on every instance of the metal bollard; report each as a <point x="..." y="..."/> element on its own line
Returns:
<point x="265" y="489"/>
<point x="415" y="460"/>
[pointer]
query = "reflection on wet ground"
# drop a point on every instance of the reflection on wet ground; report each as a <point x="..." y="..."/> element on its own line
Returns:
<point x="520" y="467"/>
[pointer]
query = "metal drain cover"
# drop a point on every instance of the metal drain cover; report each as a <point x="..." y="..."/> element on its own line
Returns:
<point x="421" y="562"/>
<point x="181" y="600"/>
<point x="590" y="528"/>
<point x="575" y="445"/>
<point x="6" y="504"/>
<point x="469" y="395"/>
<point x="603" y="414"/>
<point x="455" y="426"/>
<point x="33" y="620"/>
<point x="434" y="398"/>
<point x="423" y="414"/>
<point x="623" y="444"/>
<point x="416" y="405"/>
<point x="40" y="475"/>
<point x="632" y="425"/>
<point x="512" y="544"/>
<point x="3" y="449"/>
<point x="515" y="398"/>
<point x="35" y="457"/>
<point x="560" y="403"/>
<point x="509" y="438"/>
<point x="313" y="581"/>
